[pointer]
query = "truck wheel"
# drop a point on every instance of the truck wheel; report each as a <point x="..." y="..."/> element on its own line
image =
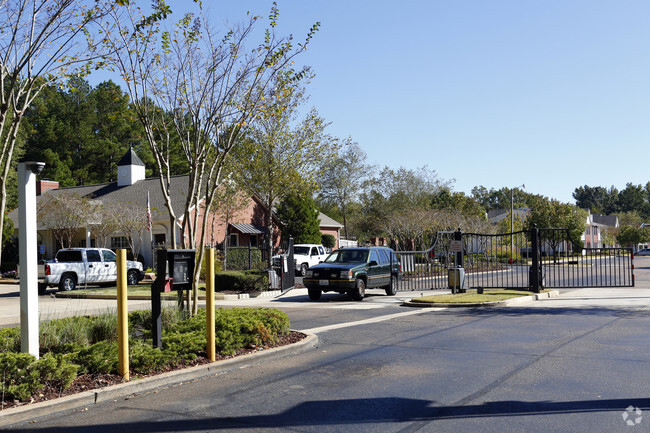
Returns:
<point x="42" y="288"/>
<point x="132" y="277"/>
<point x="359" y="291"/>
<point x="391" y="288"/>
<point x="68" y="282"/>
<point x="303" y="269"/>
<point x="314" y="294"/>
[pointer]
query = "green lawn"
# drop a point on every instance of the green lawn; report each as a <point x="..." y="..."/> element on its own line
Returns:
<point x="471" y="297"/>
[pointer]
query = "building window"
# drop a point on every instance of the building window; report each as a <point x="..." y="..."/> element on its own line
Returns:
<point x="119" y="242"/>
<point x="159" y="239"/>
<point x="233" y="240"/>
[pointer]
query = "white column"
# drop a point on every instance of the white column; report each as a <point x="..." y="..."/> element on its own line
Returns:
<point x="28" y="254"/>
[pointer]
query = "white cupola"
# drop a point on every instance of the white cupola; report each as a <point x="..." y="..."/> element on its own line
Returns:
<point x="130" y="169"/>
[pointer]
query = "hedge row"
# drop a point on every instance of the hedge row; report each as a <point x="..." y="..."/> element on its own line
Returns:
<point x="241" y="281"/>
<point x="72" y="346"/>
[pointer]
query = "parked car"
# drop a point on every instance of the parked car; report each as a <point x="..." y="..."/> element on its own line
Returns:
<point x="352" y="270"/>
<point x="73" y="266"/>
<point x="306" y="255"/>
<point x="643" y="252"/>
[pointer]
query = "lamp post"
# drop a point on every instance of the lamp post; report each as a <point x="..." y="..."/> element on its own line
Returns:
<point x="28" y="253"/>
<point x="512" y="220"/>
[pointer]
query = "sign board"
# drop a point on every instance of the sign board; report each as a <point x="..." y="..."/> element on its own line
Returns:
<point x="42" y="249"/>
<point x="455" y="246"/>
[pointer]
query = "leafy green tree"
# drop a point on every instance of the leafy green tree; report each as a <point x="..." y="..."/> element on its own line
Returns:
<point x="468" y="206"/>
<point x="281" y="154"/>
<point x="81" y="132"/>
<point x="299" y="219"/>
<point x="557" y="215"/>
<point x="631" y="236"/>
<point x="597" y="199"/>
<point x="501" y="198"/>
<point x="632" y="198"/>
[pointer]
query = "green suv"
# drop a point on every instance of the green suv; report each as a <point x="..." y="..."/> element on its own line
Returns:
<point x="352" y="270"/>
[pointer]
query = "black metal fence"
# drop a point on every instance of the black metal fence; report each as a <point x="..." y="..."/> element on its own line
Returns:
<point x="529" y="259"/>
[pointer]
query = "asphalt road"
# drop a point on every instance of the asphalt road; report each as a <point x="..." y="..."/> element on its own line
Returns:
<point x="573" y="363"/>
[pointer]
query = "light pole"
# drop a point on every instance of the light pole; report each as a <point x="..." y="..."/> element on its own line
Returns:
<point x="512" y="220"/>
<point x="28" y="253"/>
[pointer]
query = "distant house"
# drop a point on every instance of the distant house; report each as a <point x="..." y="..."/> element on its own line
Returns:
<point x="244" y="228"/>
<point x="595" y="225"/>
<point x="330" y="227"/>
<point x="496" y="215"/>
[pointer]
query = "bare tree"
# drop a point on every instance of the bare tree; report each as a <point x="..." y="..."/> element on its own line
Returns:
<point x="132" y="222"/>
<point x="344" y="178"/>
<point x="64" y="214"/>
<point x="102" y="221"/>
<point x="41" y="42"/>
<point x="201" y="87"/>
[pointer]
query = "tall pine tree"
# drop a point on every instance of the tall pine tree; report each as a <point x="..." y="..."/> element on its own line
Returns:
<point x="299" y="219"/>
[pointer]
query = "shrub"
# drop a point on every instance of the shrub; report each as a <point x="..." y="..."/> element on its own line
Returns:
<point x="65" y="331"/>
<point x="101" y="358"/>
<point x="241" y="281"/>
<point x="23" y="375"/>
<point x="241" y="327"/>
<point x="146" y="359"/>
<point x="9" y="340"/>
<point x="72" y="352"/>
<point x="238" y="258"/>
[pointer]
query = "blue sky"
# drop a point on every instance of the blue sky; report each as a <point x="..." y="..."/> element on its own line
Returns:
<point x="551" y="94"/>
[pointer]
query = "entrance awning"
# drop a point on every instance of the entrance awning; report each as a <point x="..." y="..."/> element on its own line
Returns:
<point x="249" y="229"/>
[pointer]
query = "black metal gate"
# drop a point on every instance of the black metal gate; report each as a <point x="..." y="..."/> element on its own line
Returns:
<point x="529" y="259"/>
<point x="563" y="263"/>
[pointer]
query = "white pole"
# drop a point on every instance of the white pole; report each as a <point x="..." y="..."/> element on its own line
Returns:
<point x="28" y="255"/>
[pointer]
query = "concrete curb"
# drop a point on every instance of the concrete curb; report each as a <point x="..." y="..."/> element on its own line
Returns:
<point x="508" y="302"/>
<point x="217" y="296"/>
<point x="124" y="390"/>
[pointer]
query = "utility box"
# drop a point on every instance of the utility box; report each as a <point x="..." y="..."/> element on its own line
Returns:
<point x="456" y="279"/>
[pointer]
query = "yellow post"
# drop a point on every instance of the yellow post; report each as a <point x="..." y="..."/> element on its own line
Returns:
<point x="122" y="316"/>
<point x="209" y="303"/>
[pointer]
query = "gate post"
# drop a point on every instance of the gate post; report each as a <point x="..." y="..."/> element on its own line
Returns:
<point x="458" y="236"/>
<point x="534" y="276"/>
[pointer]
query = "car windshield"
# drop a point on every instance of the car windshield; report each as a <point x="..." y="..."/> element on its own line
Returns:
<point x="348" y="256"/>
<point x="303" y="251"/>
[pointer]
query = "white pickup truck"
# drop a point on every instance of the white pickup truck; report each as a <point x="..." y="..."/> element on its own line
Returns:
<point x="307" y="255"/>
<point x="74" y="266"/>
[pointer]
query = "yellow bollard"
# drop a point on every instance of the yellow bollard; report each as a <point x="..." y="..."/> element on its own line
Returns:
<point x="209" y="303"/>
<point x="122" y="316"/>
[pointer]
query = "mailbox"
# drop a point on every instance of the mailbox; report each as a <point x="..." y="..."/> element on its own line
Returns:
<point x="175" y="272"/>
<point x="175" y="269"/>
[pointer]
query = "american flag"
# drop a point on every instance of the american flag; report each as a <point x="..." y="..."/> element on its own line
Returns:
<point x="149" y="221"/>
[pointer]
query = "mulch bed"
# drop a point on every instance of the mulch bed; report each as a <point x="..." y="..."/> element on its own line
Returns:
<point x="88" y="382"/>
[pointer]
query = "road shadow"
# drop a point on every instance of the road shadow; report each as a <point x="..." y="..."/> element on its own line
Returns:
<point x="364" y="411"/>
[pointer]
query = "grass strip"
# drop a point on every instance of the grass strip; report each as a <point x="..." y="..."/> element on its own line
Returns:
<point x="472" y="297"/>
